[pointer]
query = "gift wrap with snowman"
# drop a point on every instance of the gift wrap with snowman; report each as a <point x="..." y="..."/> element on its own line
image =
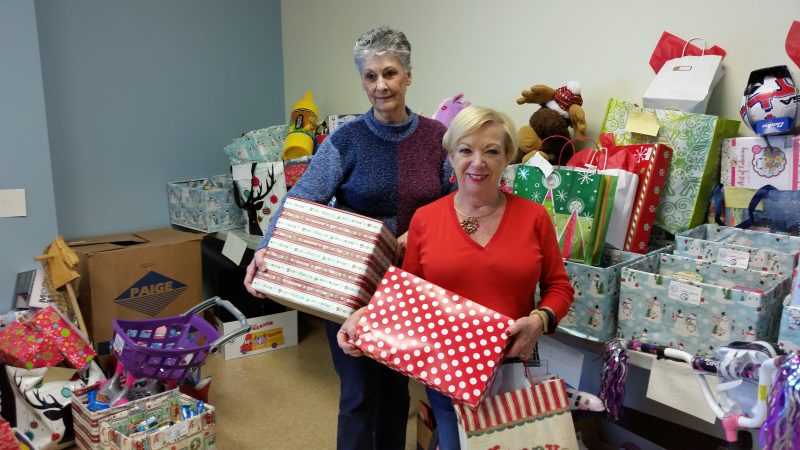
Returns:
<point x="593" y="314"/>
<point x="746" y="249"/>
<point x="697" y="306"/>
<point x="789" y="334"/>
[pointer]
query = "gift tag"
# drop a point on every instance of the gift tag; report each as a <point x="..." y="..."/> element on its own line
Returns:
<point x="542" y="164"/>
<point x="685" y="292"/>
<point x="734" y="258"/>
<point x="642" y="122"/>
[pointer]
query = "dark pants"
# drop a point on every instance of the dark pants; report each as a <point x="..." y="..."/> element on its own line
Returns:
<point x="446" y="422"/>
<point x="373" y="404"/>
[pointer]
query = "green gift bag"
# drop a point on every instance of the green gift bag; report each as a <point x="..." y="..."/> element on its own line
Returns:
<point x="694" y="168"/>
<point x="579" y="203"/>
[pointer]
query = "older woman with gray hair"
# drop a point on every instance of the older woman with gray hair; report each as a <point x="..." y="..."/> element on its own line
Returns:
<point x="385" y="164"/>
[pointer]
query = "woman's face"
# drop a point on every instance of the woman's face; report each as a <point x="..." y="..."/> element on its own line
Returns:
<point x="479" y="159"/>
<point x="385" y="82"/>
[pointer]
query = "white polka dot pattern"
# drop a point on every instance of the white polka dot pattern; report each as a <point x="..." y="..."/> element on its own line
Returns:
<point x="447" y="342"/>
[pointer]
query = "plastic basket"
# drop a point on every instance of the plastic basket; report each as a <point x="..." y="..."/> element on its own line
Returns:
<point x="171" y="348"/>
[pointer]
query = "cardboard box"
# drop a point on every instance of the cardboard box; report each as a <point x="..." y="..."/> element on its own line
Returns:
<point x="599" y="434"/>
<point x="270" y="332"/>
<point x="197" y="432"/>
<point x="137" y="276"/>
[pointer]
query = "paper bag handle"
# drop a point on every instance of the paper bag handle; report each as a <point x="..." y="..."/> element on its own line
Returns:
<point x="597" y="149"/>
<point x="686" y="45"/>
<point x="555" y="136"/>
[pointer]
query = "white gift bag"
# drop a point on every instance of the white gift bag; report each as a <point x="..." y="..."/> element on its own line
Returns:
<point x="685" y="83"/>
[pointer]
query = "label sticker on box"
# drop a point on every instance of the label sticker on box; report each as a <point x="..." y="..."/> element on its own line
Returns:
<point x="734" y="258"/>
<point x="685" y="292"/>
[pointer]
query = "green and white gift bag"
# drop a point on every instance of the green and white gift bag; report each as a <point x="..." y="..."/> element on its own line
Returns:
<point x="579" y="203"/>
<point x="694" y="168"/>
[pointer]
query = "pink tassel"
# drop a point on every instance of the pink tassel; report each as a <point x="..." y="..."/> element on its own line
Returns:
<point x="780" y="429"/>
<point x="612" y="385"/>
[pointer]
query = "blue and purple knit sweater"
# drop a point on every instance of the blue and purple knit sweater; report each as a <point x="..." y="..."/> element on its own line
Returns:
<point x="383" y="171"/>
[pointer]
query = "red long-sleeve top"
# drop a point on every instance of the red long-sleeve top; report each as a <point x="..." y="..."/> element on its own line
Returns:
<point x="503" y="275"/>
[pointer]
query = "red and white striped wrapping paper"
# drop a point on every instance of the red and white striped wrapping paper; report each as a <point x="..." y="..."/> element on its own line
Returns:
<point x="447" y="342"/>
<point x="532" y="417"/>
<point x="324" y="260"/>
<point x="513" y="408"/>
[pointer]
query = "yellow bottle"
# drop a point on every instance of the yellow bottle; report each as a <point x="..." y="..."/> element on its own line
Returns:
<point x="302" y="126"/>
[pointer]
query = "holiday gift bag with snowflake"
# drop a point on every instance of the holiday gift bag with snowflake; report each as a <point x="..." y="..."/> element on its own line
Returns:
<point x="579" y="203"/>
<point x="694" y="167"/>
<point x="697" y="306"/>
<point x="258" y="190"/>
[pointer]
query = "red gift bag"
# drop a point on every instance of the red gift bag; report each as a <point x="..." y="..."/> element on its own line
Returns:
<point x="651" y="162"/>
<point x="447" y="342"/>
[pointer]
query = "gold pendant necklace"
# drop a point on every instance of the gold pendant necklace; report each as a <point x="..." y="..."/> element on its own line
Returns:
<point x="470" y="224"/>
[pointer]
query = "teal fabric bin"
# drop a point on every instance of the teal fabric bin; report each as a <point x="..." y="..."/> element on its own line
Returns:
<point x="660" y="304"/>
<point x="593" y="314"/>
<point x="747" y="249"/>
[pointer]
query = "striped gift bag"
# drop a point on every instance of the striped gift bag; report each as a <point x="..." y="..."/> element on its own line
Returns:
<point x="536" y="416"/>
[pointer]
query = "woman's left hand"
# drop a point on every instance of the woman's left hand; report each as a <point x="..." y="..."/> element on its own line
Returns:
<point x="347" y="334"/>
<point x="524" y="334"/>
<point x="401" y="248"/>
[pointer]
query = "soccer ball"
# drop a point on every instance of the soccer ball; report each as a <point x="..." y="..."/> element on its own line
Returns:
<point x="769" y="103"/>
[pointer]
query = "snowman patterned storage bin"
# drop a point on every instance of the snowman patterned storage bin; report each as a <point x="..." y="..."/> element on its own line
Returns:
<point x="698" y="306"/>
<point x="746" y="249"/>
<point x="593" y="314"/>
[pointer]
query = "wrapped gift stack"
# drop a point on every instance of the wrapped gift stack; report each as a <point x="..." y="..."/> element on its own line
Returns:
<point x="325" y="259"/>
<point x="447" y="342"/>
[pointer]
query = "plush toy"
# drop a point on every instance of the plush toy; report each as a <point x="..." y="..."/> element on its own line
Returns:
<point x="451" y="106"/>
<point x="560" y="109"/>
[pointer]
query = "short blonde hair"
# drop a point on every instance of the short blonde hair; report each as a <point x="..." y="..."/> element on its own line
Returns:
<point x="473" y="117"/>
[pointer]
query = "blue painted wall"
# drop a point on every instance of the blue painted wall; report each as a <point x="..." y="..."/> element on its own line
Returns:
<point x="24" y="152"/>
<point x="142" y="93"/>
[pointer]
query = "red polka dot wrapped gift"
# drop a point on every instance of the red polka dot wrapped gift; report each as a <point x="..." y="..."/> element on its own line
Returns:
<point x="447" y="342"/>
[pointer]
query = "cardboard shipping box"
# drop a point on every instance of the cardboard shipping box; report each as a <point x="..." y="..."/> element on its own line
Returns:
<point x="137" y="276"/>
<point x="269" y="332"/>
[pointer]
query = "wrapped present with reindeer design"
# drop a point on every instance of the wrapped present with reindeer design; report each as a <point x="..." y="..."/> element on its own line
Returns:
<point x="697" y="306"/>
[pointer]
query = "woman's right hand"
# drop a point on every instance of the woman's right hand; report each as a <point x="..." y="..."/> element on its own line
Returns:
<point x="348" y="333"/>
<point x="257" y="264"/>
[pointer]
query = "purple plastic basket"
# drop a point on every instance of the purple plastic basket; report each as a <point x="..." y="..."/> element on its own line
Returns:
<point x="166" y="349"/>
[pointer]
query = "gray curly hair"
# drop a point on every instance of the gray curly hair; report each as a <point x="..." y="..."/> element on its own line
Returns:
<point x="381" y="41"/>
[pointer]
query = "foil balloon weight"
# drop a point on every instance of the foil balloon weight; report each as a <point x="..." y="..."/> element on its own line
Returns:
<point x="769" y="103"/>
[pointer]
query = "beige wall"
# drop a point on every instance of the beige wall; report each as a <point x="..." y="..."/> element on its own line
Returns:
<point x="493" y="50"/>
